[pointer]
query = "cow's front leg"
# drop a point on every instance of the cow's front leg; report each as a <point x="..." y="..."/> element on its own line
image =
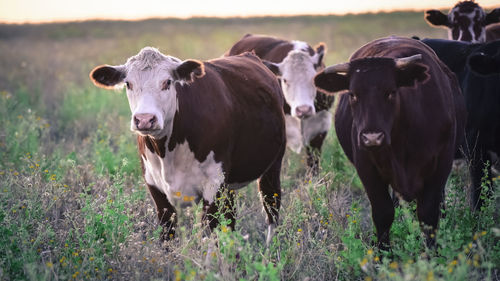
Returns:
<point x="314" y="153"/>
<point x="380" y="201"/>
<point x="222" y="207"/>
<point x="165" y="211"/>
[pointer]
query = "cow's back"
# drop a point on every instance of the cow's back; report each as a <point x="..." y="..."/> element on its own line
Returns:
<point x="236" y="111"/>
<point x="493" y="32"/>
<point x="265" y="47"/>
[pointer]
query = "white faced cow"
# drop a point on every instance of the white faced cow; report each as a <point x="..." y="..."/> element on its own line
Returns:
<point x="203" y="128"/>
<point x="307" y="111"/>
<point x="466" y="21"/>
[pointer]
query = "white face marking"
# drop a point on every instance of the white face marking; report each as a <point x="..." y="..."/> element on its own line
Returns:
<point x="297" y="73"/>
<point x="470" y="28"/>
<point x="182" y="177"/>
<point x="147" y="74"/>
<point x="300" y="46"/>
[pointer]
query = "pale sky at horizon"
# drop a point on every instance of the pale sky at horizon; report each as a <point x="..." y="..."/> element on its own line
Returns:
<point x="35" y="11"/>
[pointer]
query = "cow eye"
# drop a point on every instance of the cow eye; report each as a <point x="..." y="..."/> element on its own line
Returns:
<point x="129" y="85"/>
<point x="166" y="85"/>
<point x="285" y="81"/>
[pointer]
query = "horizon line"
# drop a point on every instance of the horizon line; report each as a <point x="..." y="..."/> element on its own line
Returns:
<point x="153" y="17"/>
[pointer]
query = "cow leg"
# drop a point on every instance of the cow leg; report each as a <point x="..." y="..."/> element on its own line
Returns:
<point x="477" y="169"/>
<point x="314" y="153"/>
<point x="382" y="212"/>
<point x="429" y="209"/>
<point x="221" y="208"/>
<point x="380" y="201"/>
<point x="165" y="211"/>
<point x="270" y="191"/>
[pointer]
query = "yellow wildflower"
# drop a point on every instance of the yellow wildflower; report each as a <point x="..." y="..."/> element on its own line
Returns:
<point x="393" y="265"/>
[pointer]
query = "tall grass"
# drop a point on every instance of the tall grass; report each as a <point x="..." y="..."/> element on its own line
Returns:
<point x="73" y="204"/>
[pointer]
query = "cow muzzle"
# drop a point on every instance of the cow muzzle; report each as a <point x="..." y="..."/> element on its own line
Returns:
<point x="372" y="139"/>
<point x="304" y="111"/>
<point x="145" y="122"/>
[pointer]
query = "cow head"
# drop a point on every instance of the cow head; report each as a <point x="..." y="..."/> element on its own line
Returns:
<point x="466" y="21"/>
<point x="485" y="60"/>
<point x="373" y="88"/>
<point x="296" y="73"/>
<point x="150" y="79"/>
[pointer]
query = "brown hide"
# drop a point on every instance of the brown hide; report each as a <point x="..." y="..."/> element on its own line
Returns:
<point x="427" y="121"/>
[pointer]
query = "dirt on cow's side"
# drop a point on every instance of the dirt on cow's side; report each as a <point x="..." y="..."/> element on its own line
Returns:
<point x="73" y="205"/>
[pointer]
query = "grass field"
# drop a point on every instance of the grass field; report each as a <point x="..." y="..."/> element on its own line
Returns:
<point x="73" y="205"/>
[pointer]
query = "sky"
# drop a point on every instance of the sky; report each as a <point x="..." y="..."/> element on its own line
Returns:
<point x="36" y="11"/>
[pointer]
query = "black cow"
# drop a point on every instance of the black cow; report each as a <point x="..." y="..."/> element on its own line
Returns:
<point x="477" y="67"/>
<point x="466" y="21"/>
<point x="398" y="123"/>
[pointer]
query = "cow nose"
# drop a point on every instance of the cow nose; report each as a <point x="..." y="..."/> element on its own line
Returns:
<point x="372" y="139"/>
<point x="304" y="111"/>
<point x="145" y="121"/>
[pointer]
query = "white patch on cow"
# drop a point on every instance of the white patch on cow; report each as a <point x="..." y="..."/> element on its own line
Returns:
<point x="470" y="28"/>
<point x="293" y="133"/>
<point x="299" y="132"/>
<point x="300" y="45"/>
<point x="316" y="124"/>
<point x="270" y="233"/>
<point x="297" y="74"/>
<point x="182" y="177"/>
<point x="147" y="72"/>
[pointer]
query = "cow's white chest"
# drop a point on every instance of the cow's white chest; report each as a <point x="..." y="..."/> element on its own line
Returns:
<point x="300" y="132"/>
<point x="182" y="177"/>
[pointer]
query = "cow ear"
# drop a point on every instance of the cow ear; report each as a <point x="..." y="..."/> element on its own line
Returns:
<point x="274" y="67"/>
<point x="320" y="53"/>
<point x="188" y="70"/>
<point x="492" y="17"/>
<point x="411" y="74"/>
<point x="107" y="76"/>
<point x="330" y="83"/>
<point x="484" y="64"/>
<point x="436" y="17"/>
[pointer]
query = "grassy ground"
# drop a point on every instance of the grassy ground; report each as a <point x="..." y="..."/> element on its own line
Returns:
<point x="73" y="204"/>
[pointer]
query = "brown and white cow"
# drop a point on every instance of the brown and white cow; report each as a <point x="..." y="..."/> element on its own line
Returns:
<point x="203" y="128"/>
<point x="307" y="114"/>
<point x="466" y="21"/>
<point x="493" y="32"/>
<point x="399" y="121"/>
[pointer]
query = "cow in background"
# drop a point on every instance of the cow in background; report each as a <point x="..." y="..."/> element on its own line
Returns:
<point x="203" y="128"/>
<point x="399" y="120"/>
<point x="308" y="118"/>
<point x="477" y="67"/>
<point x="466" y="21"/>
<point x="493" y="32"/>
